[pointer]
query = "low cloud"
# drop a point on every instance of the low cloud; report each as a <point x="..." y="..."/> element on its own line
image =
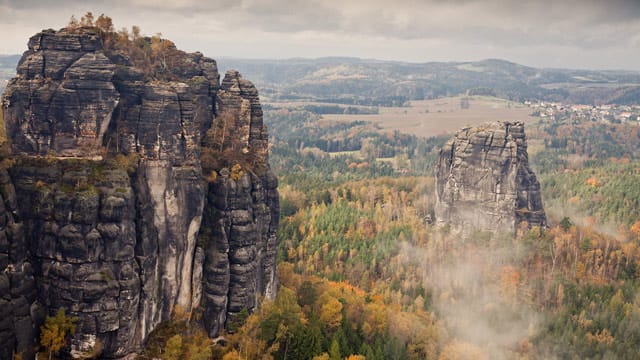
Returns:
<point x="469" y="296"/>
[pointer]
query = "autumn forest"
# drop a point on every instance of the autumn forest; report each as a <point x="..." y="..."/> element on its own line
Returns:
<point x="364" y="268"/>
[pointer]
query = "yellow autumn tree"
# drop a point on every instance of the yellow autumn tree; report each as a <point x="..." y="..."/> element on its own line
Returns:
<point x="355" y="357"/>
<point x="635" y="229"/>
<point x="173" y="349"/>
<point x="199" y="348"/>
<point x="55" y="331"/>
<point x="246" y="343"/>
<point x="331" y="312"/>
<point x="323" y="356"/>
<point x="232" y="355"/>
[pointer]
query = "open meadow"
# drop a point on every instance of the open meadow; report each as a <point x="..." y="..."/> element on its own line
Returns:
<point x="427" y="118"/>
<point x="441" y="116"/>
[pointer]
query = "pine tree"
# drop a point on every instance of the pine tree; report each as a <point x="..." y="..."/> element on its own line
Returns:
<point x="334" y="350"/>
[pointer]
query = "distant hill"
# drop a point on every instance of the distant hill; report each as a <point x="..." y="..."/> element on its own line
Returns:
<point x="8" y="65"/>
<point x="375" y="82"/>
<point x="9" y="61"/>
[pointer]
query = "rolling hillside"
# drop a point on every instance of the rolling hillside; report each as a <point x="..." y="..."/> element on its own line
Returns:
<point x="386" y="83"/>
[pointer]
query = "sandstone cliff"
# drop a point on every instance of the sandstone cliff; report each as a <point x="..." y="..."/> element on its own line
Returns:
<point x="483" y="180"/>
<point x="105" y="211"/>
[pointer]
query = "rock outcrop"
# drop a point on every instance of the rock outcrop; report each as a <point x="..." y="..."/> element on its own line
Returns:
<point x="243" y="222"/>
<point x="106" y="212"/>
<point x="62" y="98"/>
<point x="484" y="182"/>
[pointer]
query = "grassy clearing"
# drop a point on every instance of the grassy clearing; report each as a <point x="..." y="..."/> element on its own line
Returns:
<point x="345" y="153"/>
<point x="441" y="116"/>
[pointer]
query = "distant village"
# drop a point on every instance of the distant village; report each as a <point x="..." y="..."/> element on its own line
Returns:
<point x="613" y="114"/>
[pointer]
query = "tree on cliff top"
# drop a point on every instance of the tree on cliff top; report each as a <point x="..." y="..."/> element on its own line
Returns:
<point x="155" y="56"/>
<point x="103" y="23"/>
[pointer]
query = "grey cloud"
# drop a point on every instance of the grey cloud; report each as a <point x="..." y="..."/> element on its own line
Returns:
<point x="573" y="23"/>
<point x="458" y="27"/>
<point x="586" y="24"/>
<point x="36" y="4"/>
<point x="185" y="7"/>
<point x="292" y="15"/>
<point x="537" y="20"/>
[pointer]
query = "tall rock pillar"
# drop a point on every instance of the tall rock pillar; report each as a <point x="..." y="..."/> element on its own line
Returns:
<point x="484" y="182"/>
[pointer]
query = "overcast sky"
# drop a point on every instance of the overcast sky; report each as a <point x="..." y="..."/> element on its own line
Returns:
<point x="592" y="34"/>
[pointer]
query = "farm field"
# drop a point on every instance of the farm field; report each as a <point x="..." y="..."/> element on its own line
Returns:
<point x="442" y="116"/>
<point x="427" y="118"/>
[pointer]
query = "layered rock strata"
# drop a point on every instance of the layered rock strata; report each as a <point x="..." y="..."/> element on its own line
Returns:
<point x="106" y="212"/>
<point x="484" y="182"/>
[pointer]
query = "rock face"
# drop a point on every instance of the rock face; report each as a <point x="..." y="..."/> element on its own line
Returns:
<point x="105" y="211"/>
<point x="19" y="309"/>
<point x="47" y="102"/>
<point x="483" y="180"/>
<point x="81" y="226"/>
<point x="241" y="228"/>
